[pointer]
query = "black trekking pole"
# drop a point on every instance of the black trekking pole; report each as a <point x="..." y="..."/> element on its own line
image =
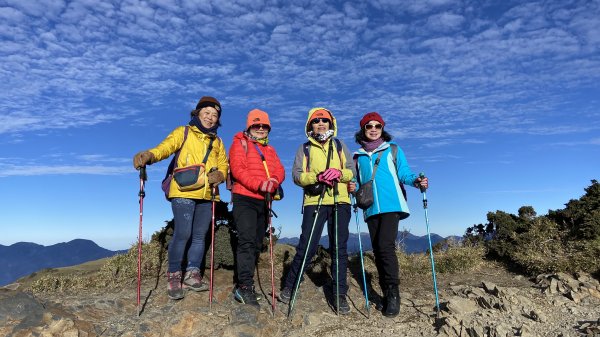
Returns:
<point x="299" y="276"/>
<point x="360" y="248"/>
<point x="337" y="260"/>
<point x="142" y="194"/>
<point x="437" y="301"/>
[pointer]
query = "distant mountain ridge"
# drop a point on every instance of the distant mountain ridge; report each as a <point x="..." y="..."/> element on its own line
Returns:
<point x="23" y="258"/>
<point x="411" y="243"/>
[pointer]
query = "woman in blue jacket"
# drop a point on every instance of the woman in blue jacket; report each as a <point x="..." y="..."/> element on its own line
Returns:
<point x="389" y="203"/>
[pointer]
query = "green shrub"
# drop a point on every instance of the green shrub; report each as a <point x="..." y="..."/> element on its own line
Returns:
<point x="565" y="240"/>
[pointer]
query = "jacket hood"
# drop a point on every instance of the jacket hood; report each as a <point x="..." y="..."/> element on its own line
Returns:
<point x="308" y="127"/>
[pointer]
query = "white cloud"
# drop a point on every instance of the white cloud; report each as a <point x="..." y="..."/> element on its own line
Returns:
<point x="475" y="71"/>
<point x="444" y="22"/>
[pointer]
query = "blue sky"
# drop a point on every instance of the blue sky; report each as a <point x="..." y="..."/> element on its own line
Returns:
<point x="496" y="101"/>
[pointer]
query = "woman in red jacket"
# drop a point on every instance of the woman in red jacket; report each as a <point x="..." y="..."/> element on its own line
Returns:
<point x="256" y="171"/>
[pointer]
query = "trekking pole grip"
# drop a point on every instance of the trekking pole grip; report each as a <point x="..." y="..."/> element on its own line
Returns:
<point x="423" y="189"/>
<point x="143" y="175"/>
<point x="143" y="178"/>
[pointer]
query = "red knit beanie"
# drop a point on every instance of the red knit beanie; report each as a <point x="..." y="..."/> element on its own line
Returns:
<point x="371" y="116"/>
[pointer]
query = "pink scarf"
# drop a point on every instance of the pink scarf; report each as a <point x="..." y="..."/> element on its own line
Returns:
<point x="372" y="145"/>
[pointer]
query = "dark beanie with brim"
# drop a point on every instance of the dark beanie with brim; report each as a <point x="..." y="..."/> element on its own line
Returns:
<point x="209" y="101"/>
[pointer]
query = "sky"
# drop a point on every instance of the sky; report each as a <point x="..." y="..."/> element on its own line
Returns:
<point x="497" y="102"/>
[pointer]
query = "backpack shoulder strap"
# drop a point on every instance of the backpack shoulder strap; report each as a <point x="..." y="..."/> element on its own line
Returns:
<point x="394" y="150"/>
<point x="306" y="149"/>
<point x="229" y="181"/>
<point x="355" y="159"/>
<point x="244" y="144"/>
<point x="173" y="164"/>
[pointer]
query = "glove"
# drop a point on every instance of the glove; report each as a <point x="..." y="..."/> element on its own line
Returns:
<point x="321" y="179"/>
<point x="422" y="183"/>
<point x="269" y="186"/>
<point x="215" y="177"/>
<point x="332" y="174"/>
<point x="142" y="158"/>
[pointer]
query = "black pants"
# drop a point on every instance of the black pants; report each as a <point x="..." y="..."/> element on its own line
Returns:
<point x="326" y="214"/>
<point x="383" y="229"/>
<point x="250" y="217"/>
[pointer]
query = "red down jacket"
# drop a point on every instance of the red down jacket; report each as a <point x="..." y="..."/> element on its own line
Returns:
<point x="247" y="169"/>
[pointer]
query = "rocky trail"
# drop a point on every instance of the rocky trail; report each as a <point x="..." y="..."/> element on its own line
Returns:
<point x="489" y="302"/>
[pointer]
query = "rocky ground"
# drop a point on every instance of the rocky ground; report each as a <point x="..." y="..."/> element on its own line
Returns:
<point x="489" y="302"/>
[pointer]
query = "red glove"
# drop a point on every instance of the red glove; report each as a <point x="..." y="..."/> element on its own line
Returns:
<point x="269" y="186"/>
<point x="321" y="179"/>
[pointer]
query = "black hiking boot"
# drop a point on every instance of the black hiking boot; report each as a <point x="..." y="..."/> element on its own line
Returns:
<point x="174" y="289"/>
<point x="246" y="295"/>
<point x="285" y="295"/>
<point x="392" y="301"/>
<point x="344" y="306"/>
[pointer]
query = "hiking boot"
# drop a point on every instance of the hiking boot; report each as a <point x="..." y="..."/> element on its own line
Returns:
<point x="285" y="295"/>
<point x="174" y="289"/>
<point x="246" y="295"/>
<point x="193" y="281"/>
<point x="344" y="306"/>
<point x="392" y="301"/>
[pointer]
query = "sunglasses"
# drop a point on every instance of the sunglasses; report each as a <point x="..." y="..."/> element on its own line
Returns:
<point x="261" y="126"/>
<point x="319" y="120"/>
<point x="376" y="126"/>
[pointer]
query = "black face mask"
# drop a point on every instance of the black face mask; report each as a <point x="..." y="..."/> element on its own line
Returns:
<point x="196" y="122"/>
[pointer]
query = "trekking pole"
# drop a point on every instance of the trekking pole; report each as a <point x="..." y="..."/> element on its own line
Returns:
<point x="269" y="215"/>
<point x="142" y="194"/>
<point x="213" y="191"/>
<point x="362" y="265"/>
<point x="337" y="260"/>
<point x="437" y="301"/>
<point x="299" y="276"/>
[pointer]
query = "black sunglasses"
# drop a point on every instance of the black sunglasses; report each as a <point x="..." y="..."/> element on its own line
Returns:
<point x="261" y="126"/>
<point x="317" y="120"/>
<point x="376" y="126"/>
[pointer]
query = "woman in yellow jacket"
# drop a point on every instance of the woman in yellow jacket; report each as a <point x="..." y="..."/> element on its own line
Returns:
<point x="322" y="166"/>
<point x="198" y="144"/>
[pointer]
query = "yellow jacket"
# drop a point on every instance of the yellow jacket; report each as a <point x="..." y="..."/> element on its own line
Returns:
<point x="318" y="161"/>
<point x="192" y="153"/>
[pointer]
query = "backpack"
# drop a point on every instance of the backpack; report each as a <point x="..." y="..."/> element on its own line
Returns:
<point x="394" y="150"/>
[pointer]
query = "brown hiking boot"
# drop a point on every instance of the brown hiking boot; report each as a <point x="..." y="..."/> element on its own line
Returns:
<point x="193" y="281"/>
<point x="174" y="289"/>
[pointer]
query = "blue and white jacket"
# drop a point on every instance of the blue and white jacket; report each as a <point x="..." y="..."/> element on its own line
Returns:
<point x="387" y="193"/>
